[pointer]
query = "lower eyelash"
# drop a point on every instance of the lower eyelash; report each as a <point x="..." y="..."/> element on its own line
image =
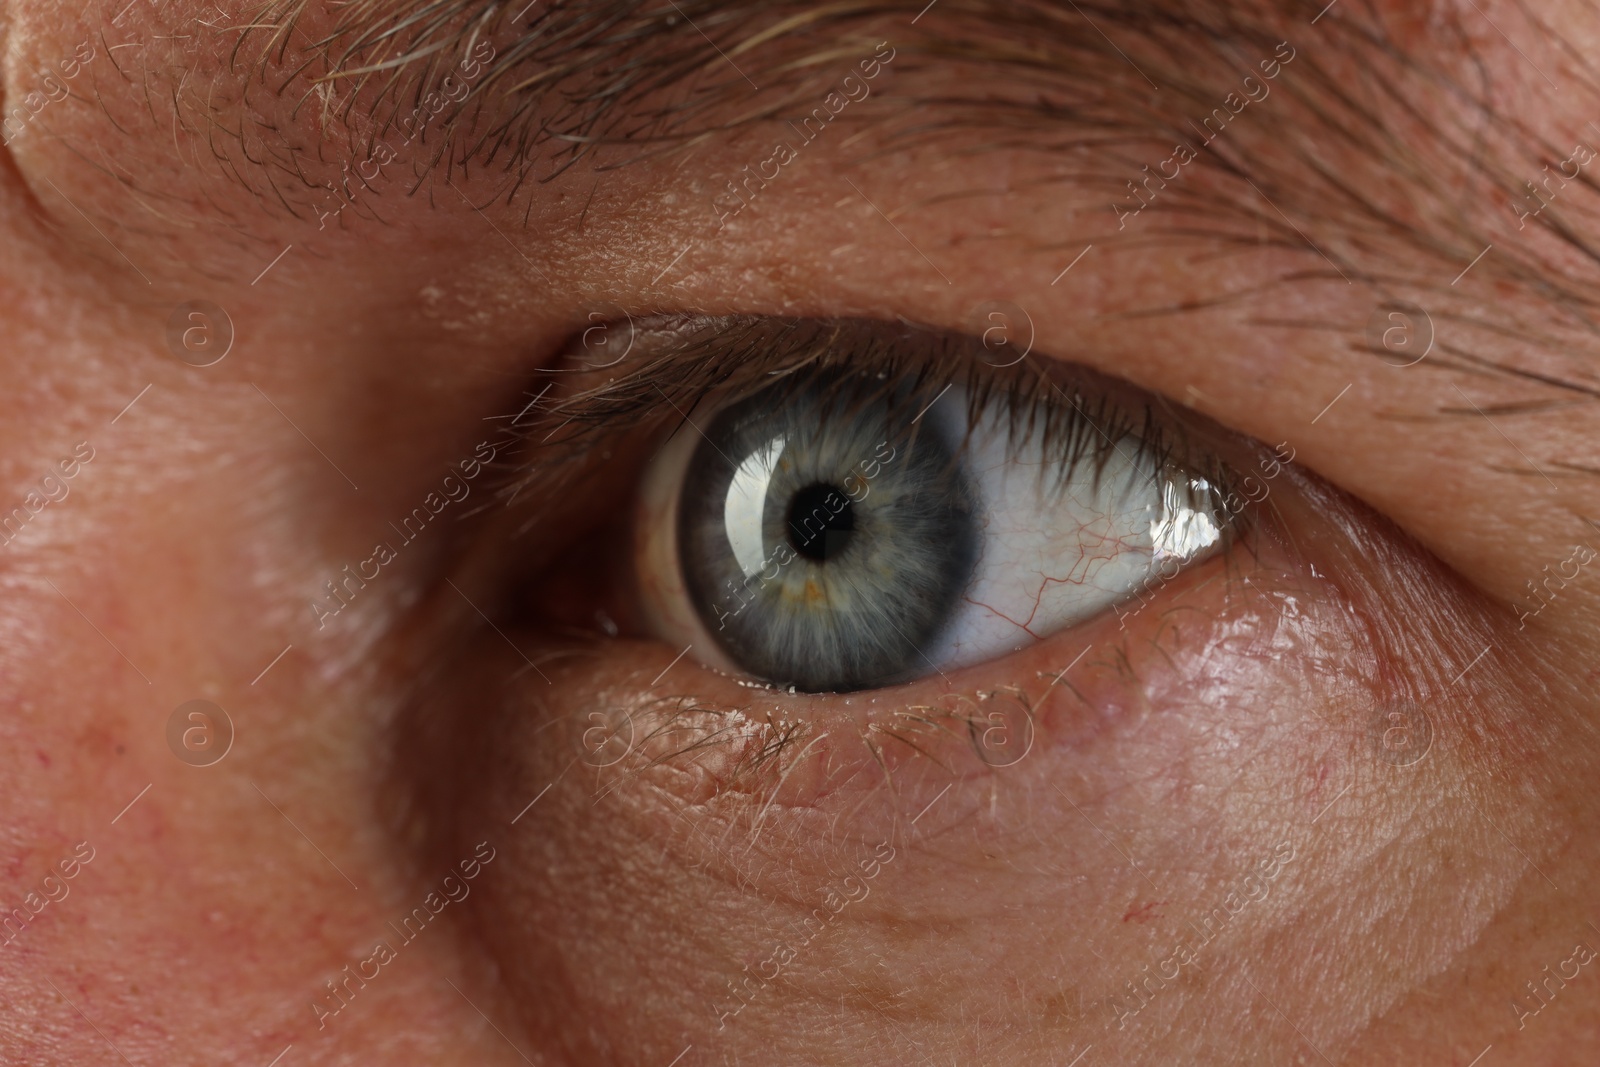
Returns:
<point x="1029" y="499"/>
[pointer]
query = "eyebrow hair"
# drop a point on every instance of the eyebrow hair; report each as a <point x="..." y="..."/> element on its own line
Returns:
<point x="613" y="80"/>
<point x="576" y="76"/>
<point x="1349" y="166"/>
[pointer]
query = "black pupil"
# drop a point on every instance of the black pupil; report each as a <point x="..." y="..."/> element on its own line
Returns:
<point x="821" y="521"/>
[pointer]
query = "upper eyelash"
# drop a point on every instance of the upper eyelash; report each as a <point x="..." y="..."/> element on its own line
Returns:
<point x="731" y="357"/>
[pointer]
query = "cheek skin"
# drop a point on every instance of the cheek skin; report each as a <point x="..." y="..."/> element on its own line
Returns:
<point x="1232" y="717"/>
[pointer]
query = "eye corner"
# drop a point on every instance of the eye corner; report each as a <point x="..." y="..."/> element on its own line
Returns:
<point x="837" y="439"/>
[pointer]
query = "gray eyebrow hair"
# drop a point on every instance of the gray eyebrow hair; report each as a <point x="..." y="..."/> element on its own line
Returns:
<point x="572" y="75"/>
<point x="579" y="78"/>
<point x="1346" y="167"/>
<point x="567" y="76"/>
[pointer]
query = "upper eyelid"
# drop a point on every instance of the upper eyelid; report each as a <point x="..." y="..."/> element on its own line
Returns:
<point x="676" y="362"/>
<point x="680" y="358"/>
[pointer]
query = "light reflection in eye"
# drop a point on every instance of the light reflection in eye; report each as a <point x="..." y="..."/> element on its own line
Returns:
<point x="1067" y="534"/>
<point x="745" y="503"/>
<point x="831" y="534"/>
<point x="1182" y="530"/>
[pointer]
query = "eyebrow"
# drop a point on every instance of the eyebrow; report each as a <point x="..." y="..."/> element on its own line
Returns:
<point x="1343" y="164"/>
<point x="614" y="80"/>
<point x="570" y="78"/>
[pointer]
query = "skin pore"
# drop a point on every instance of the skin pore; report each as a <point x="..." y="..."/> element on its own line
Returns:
<point x="1214" y="849"/>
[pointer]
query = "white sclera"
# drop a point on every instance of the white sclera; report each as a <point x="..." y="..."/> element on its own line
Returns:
<point x="1052" y="553"/>
<point x="1057" y="553"/>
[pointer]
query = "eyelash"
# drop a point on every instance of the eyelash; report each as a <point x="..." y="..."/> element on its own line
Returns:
<point x="699" y="361"/>
<point x="592" y="408"/>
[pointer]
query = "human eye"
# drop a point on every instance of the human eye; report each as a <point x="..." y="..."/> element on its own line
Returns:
<point x="884" y="504"/>
<point x="621" y="558"/>
<point x="808" y="589"/>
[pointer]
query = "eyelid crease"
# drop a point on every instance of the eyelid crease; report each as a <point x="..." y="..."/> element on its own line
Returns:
<point x="680" y="362"/>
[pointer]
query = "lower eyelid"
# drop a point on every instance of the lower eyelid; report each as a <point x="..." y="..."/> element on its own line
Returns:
<point x="715" y="793"/>
<point x="659" y="511"/>
<point x="1067" y="696"/>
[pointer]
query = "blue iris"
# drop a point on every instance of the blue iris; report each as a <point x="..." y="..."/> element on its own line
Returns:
<point x="826" y="536"/>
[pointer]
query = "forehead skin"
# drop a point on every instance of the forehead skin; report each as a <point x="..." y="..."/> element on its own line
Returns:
<point x="178" y="168"/>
